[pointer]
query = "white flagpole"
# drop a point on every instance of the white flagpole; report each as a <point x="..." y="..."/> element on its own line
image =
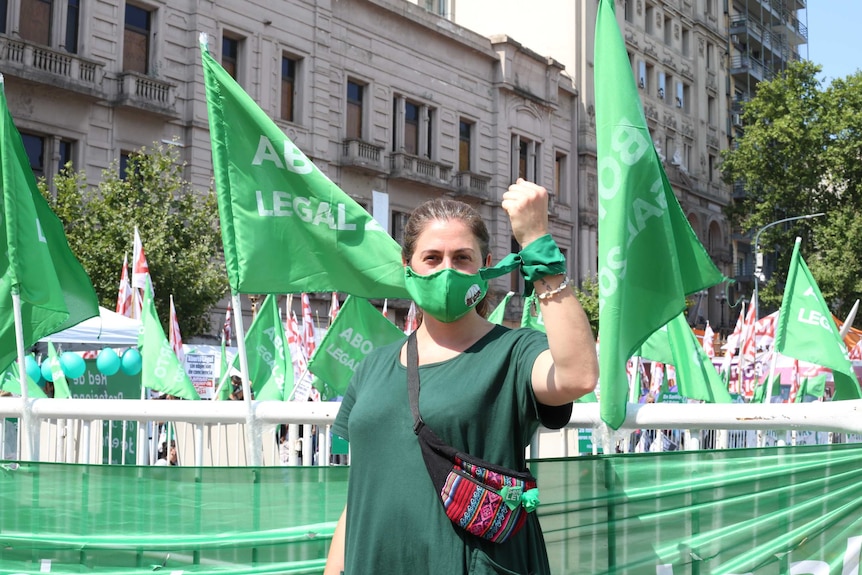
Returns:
<point x="252" y="439"/>
<point x="24" y="428"/>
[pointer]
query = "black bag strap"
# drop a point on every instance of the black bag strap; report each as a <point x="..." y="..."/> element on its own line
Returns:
<point x="413" y="381"/>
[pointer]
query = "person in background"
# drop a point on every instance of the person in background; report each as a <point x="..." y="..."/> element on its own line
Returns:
<point x="485" y="391"/>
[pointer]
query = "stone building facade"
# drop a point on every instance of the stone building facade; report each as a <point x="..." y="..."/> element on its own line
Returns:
<point x="395" y="103"/>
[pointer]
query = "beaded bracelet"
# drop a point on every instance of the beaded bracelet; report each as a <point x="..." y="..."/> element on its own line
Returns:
<point x="567" y="281"/>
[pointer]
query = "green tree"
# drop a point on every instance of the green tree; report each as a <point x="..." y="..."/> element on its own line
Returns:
<point x="178" y="226"/>
<point x="588" y="295"/>
<point x="800" y="154"/>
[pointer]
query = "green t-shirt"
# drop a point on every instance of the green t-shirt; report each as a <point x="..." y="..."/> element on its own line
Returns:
<point x="480" y="402"/>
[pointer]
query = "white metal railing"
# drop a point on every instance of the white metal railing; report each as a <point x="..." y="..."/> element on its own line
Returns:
<point x="219" y="432"/>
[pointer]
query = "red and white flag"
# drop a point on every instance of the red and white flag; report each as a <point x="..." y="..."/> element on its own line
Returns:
<point x="175" y="338"/>
<point x="794" y="382"/>
<point x="140" y="275"/>
<point x="733" y="341"/>
<point x="856" y="352"/>
<point x="297" y="349"/>
<point x="657" y="373"/>
<point x="124" y="295"/>
<point x="709" y="341"/>
<point x="333" y="308"/>
<point x="412" y="321"/>
<point x="227" y="329"/>
<point x="748" y="344"/>
<point x="308" y="339"/>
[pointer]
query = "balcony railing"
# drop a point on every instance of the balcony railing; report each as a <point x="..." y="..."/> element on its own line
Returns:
<point x="40" y="63"/>
<point x="146" y="92"/>
<point x="472" y="185"/>
<point x="406" y="166"/>
<point x="362" y="155"/>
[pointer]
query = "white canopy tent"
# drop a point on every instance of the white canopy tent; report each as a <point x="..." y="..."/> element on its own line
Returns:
<point x="108" y="329"/>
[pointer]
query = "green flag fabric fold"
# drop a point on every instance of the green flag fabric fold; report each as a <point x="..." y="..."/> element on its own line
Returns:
<point x="286" y="227"/>
<point x="696" y="377"/>
<point x="10" y="381"/>
<point x="35" y="259"/>
<point x="814" y="386"/>
<point x="160" y="368"/>
<point x="649" y="257"/>
<point x="760" y="390"/>
<point x="806" y="331"/>
<point x="499" y="312"/>
<point x="356" y="331"/>
<point x="61" y="386"/>
<point x="270" y="369"/>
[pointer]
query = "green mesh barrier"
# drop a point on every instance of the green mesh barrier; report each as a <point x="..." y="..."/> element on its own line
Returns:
<point x="759" y="511"/>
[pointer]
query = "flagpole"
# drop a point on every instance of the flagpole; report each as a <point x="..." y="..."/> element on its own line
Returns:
<point x="252" y="438"/>
<point x="24" y="429"/>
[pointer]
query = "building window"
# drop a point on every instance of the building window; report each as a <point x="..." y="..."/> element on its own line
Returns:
<point x="124" y="164"/>
<point x="35" y="147"/>
<point x="710" y="110"/>
<point x="399" y="221"/>
<point x="413" y="128"/>
<point x="73" y="19"/>
<point x="629" y="11"/>
<point x="355" y="94"/>
<point x="439" y="7"/>
<point x="465" y="145"/>
<point x="668" y="31"/>
<point x="649" y="23"/>
<point x="662" y="84"/>
<point x="516" y="280"/>
<point x="711" y="168"/>
<point x="642" y="75"/>
<point x="35" y="22"/>
<point x="526" y="155"/>
<point x="4" y="8"/>
<point x="136" y="40"/>
<point x="47" y="155"/>
<point x="561" y="177"/>
<point x="686" y="42"/>
<point x="288" y="88"/>
<point x="230" y="56"/>
<point x="710" y="56"/>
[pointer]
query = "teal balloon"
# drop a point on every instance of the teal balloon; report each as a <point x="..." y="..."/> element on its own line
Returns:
<point x="130" y="363"/>
<point x="32" y="368"/>
<point x="108" y="362"/>
<point x="73" y="365"/>
<point x="46" y="370"/>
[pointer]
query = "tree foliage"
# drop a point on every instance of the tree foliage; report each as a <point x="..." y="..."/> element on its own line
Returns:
<point x="588" y="295"/>
<point x="178" y="226"/>
<point x="801" y="153"/>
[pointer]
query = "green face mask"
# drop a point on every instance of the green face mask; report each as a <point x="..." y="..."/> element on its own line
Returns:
<point x="445" y="295"/>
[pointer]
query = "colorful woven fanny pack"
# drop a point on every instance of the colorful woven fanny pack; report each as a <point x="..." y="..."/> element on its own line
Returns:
<point x="484" y="499"/>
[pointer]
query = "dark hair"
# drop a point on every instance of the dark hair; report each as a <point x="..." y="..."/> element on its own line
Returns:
<point x="445" y="210"/>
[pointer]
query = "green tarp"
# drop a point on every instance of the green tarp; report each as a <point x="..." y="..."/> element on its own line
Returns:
<point x="758" y="511"/>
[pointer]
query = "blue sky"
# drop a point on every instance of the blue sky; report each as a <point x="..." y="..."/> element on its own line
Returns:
<point x="834" y="36"/>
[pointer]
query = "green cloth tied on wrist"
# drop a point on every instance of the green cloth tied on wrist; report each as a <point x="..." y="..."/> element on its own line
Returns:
<point x="530" y="500"/>
<point x="540" y="258"/>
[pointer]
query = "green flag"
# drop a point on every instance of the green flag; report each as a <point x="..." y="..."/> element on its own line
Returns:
<point x="35" y="259"/>
<point x="649" y="257"/>
<point x="224" y="374"/>
<point x="760" y="390"/>
<point x="61" y="386"/>
<point x="286" y="227"/>
<point x="806" y="331"/>
<point x="270" y="369"/>
<point x="11" y="382"/>
<point x="696" y="377"/>
<point x="814" y="386"/>
<point x="160" y="368"/>
<point x="499" y="312"/>
<point x="357" y="330"/>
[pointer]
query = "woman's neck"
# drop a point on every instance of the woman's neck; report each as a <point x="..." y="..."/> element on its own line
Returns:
<point x="448" y="339"/>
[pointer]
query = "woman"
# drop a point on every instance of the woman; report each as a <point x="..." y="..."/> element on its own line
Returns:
<point x="485" y="390"/>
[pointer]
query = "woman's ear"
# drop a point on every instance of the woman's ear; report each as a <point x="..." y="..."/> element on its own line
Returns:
<point x="488" y="261"/>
